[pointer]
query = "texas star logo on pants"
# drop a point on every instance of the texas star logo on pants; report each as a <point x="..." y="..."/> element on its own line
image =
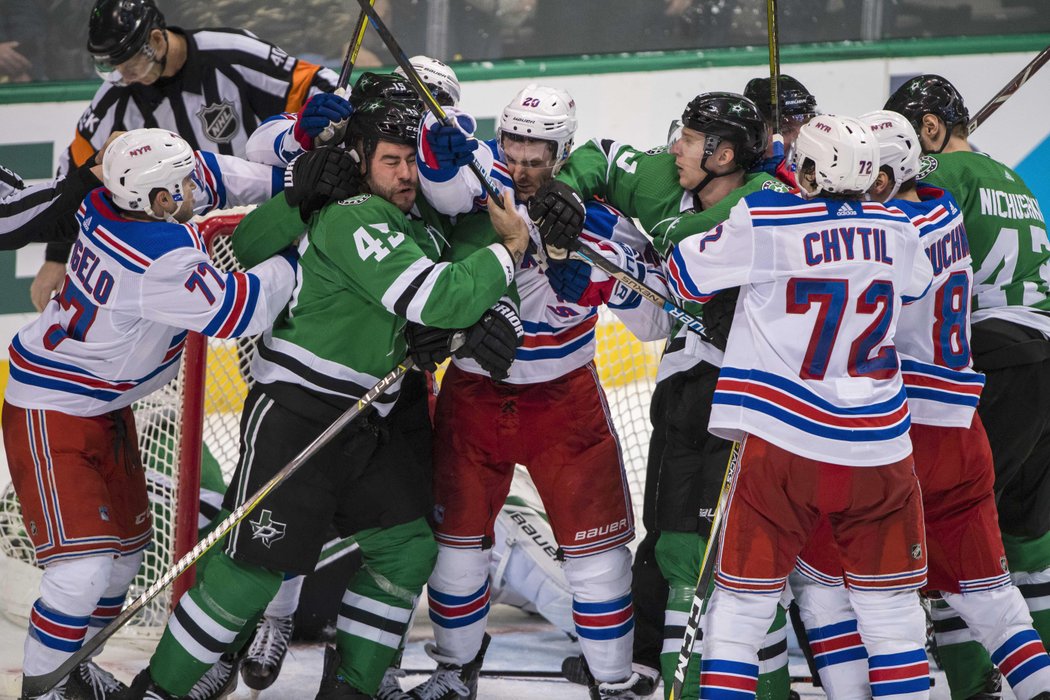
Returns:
<point x="267" y="529"/>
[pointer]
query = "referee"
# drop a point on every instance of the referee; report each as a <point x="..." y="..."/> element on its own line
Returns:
<point x="211" y="86"/>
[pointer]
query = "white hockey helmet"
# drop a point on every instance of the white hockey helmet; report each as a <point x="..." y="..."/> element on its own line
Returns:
<point x="542" y="113"/>
<point x="141" y="160"/>
<point x="437" y="76"/>
<point x="899" y="147"/>
<point x="844" y="153"/>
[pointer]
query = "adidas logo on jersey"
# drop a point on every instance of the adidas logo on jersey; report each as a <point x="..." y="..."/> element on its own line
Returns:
<point x="846" y="210"/>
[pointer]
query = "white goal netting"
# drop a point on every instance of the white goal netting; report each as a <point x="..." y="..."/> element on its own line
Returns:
<point x="194" y="422"/>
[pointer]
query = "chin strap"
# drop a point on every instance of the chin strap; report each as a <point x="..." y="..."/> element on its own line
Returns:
<point x="710" y="144"/>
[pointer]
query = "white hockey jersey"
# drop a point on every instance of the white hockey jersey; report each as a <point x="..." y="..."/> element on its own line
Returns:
<point x="933" y="334"/>
<point x="274" y="143"/>
<point x="559" y="335"/>
<point x="116" y="331"/>
<point x="810" y="364"/>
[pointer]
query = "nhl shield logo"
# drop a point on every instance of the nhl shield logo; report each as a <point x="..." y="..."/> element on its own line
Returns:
<point x="219" y="121"/>
<point x="916" y="551"/>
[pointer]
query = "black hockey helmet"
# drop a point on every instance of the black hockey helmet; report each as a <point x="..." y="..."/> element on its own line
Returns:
<point x="117" y="29"/>
<point x="383" y="119"/>
<point x="795" y="100"/>
<point x="929" y="94"/>
<point x="388" y="86"/>
<point x="730" y="117"/>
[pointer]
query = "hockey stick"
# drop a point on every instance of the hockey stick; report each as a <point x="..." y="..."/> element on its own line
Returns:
<point x="489" y="186"/>
<point x="348" y="67"/>
<point x="38" y="685"/>
<point x="1011" y="87"/>
<point x="774" y="61"/>
<point x="707" y="569"/>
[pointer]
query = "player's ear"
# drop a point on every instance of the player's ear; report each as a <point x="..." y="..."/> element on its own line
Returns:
<point x="882" y="185"/>
<point x="161" y="201"/>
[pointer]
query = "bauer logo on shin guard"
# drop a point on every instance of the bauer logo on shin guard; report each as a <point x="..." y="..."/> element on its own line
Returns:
<point x="602" y="531"/>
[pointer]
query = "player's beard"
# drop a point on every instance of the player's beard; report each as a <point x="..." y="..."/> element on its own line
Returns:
<point x="401" y="194"/>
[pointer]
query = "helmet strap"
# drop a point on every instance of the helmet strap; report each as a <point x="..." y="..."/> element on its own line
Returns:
<point x="710" y="145"/>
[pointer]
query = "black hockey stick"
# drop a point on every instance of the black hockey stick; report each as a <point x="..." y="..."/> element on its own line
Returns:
<point x="1011" y="87"/>
<point x="490" y="188"/>
<point x="38" y="685"/>
<point x="774" y="61"/>
<point x="347" y="68"/>
<point x="707" y="570"/>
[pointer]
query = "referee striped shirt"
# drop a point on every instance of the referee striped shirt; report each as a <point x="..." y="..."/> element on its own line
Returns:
<point x="43" y="212"/>
<point x="232" y="81"/>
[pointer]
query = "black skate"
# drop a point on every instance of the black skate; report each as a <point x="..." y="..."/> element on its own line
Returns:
<point x="334" y="686"/>
<point x="89" y="682"/>
<point x="390" y="687"/>
<point x="645" y="678"/>
<point x="219" y="681"/>
<point x="143" y="688"/>
<point x="262" y="664"/>
<point x="451" y="681"/>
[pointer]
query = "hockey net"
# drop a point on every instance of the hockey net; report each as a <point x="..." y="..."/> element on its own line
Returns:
<point x="192" y="426"/>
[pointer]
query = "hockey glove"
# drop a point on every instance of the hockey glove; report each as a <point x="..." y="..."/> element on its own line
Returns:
<point x="427" y="346"/>
<point x="448" y="147"/>
<point x="569" y="278"/>
<point x="320" y="111"/>
<point x="493" y="340"/>
<point x="558" y="212"/>
<point x="718" y="316"/>
<point x="320" y="177"/>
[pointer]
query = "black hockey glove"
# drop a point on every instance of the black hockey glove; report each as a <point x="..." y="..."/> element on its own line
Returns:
<point x="493" y="340"/>
<point x="320" y="177"/>
<point x="427" y="346"/>
<point x="718" y="316"/>
<point x="558" y="212"/>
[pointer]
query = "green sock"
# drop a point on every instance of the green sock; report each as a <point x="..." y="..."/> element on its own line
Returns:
<point x="1029" y="559"/>
<point x="213" y="614"/>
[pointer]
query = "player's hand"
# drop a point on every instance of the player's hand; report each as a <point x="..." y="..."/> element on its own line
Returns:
<point x="558" y="212"/>
<point x="511" y="228"/>
<point x="569" y="278"/>
<point x="493" y="340"/>
<point x="102" y="151"/>
<point x="46" y="284"/>
<point x="428" y="347"/>
<point x="320" y="111"/>
<point x="452" y="146"/>
<point x="319" y="177"/>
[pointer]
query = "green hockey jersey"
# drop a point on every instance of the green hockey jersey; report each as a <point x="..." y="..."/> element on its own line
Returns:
<point x="644" y="185"/>
<point x="365" y="268"/>
<point x="1005" y="228"/>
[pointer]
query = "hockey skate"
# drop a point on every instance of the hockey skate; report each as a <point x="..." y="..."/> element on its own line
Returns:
<point x="334" y="686"/>
<point x="89" y="682"/>
<point x="219" y="681"/>
<point x="262" y="664"/>
<point x="575" y="670"/>
<point x="621" y="690"/>
<point x="451" y="681"/>
<point x="143" y="688"/>
<point x="390" y="687"/>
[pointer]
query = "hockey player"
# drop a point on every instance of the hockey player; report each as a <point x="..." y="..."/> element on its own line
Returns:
<point x="797" y="106"/>
<point x="822" y="419"/>
<point x="368" y="263"/>
<point x="139" y="277"/>
<point x="211" y="86"/>
<point x="953" y="462"/>
<point x="485" y="423"/>
<point x="705" y="173"/>
<point x="1011" y="295"/>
